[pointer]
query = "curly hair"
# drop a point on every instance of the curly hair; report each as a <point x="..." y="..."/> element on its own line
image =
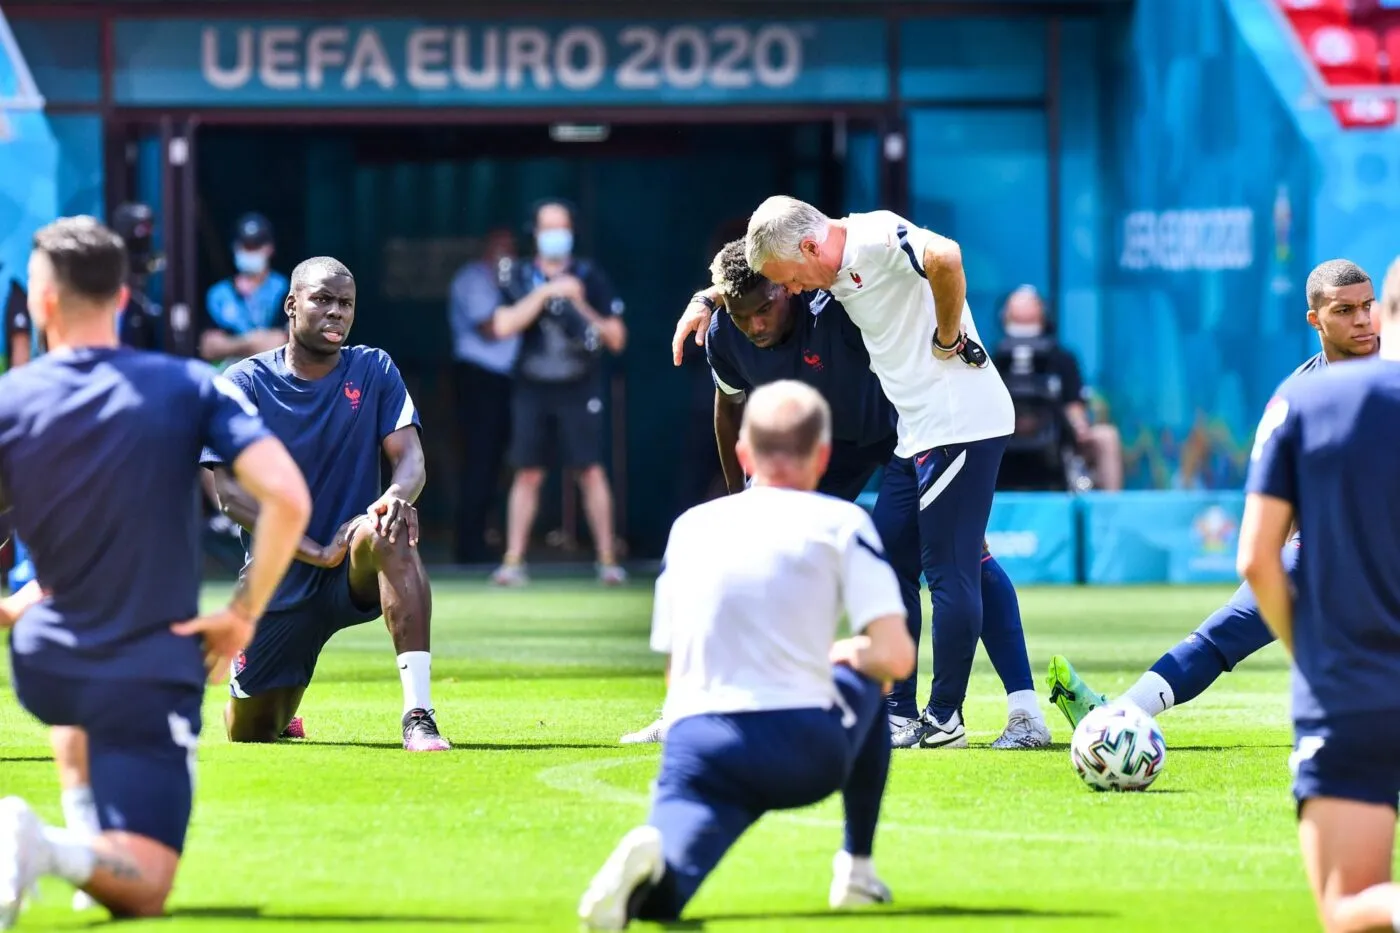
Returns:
<point x="731" y="274"/>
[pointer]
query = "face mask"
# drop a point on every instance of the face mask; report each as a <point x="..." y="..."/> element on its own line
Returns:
<point x="250" y="262"/>
<point x="1024" y="330"/>
<point x="555" y="244"/>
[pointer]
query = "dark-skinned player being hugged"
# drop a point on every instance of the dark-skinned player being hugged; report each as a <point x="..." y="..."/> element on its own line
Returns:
<point x="337" y="408"/>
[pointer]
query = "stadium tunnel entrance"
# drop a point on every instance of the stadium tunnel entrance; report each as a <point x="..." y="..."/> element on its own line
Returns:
<point x="405" y="206"/>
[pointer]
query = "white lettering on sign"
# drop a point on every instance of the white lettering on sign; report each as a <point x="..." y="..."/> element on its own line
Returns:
<point x="1189" y="240"/>
<point x="1013" y="543"/>
<point x="435" y="58"/>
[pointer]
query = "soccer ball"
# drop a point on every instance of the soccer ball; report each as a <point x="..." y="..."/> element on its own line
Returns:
<point x="1118" y="748"/>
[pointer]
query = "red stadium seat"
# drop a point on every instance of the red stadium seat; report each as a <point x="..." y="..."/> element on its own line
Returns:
<point x="1308" y="15"/>
<point x="1345" y="55"/>
<point x="1392" y="52"/>
<point x="1365" y="112"/>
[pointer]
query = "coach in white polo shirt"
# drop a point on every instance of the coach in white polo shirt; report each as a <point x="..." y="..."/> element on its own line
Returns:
<point x="904" y="287"/>
<point x="767" y="710"/>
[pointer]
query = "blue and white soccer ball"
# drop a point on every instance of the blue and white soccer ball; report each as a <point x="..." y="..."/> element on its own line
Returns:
<point x="1118" y="748"/>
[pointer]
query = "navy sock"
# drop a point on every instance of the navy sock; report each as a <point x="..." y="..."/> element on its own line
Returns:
<point x="1002" y="634"/>
<point x="1190" y="667"/>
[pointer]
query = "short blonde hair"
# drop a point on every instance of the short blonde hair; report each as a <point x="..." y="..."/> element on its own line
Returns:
<point x="786" y="418"/>
<point x="778" y="227"/>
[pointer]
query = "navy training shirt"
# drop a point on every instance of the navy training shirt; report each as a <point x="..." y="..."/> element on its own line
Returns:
<point x="824" y="350"/>
<point x="334" y="428"/>
<point x="99" y="455"/>
<point x="1329" y="443"/>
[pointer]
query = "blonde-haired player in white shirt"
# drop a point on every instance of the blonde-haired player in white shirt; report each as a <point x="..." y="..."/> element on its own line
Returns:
<point x="767" y="709"/>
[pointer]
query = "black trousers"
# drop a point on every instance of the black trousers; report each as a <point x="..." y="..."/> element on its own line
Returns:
<point x="483" y="424"/>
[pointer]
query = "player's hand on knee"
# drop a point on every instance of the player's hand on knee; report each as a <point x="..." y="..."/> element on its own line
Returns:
<point x="394" y="516"/>
<point x="695" y="320"/>
<point x="333" y="554"/>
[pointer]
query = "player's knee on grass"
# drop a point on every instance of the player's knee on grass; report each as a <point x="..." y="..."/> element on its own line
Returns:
<point x="258" y="718"/>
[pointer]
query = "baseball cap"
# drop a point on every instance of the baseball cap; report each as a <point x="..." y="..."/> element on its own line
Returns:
<point x="253" y="231"/>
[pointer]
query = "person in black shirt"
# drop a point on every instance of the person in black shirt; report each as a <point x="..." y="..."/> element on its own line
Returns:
<point x="567" y="314"/>
<point x="1036" y="365"/>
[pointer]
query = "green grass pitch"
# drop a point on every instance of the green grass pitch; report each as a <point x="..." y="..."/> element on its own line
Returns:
<point x="345" y="831"/>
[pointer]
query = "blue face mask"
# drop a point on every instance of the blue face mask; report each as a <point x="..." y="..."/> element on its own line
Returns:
<point x="555" y="244"/>
<point x="250" y="262"/>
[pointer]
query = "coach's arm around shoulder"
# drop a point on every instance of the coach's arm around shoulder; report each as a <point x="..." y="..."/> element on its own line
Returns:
<point x="267" y="472"/>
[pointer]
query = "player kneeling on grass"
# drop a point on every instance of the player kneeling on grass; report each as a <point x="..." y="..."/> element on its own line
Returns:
<point x="767" y="710"/>
<point x="1327" y="455"/>
<point x="338" y="409"/>
<point x="96" y="462"/>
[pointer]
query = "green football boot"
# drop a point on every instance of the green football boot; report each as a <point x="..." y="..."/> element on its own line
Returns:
<point x="1069" y="692"/>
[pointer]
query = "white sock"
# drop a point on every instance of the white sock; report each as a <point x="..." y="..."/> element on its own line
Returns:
<point x="861" y="866"/>
<point x="1024" y="701"/>
<point x="80" y="811"/>
<point x="1151" y="694"/>
<point x="415" y="672"/>
<point x="73" y="858"/>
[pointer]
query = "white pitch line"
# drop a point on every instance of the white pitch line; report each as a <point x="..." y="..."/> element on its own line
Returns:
<point x="582" y="778"/>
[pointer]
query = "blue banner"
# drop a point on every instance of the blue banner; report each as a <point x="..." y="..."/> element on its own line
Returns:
<point x="375" y="63"/>
<point x="1161" y="537"/>
<point x="1035" y="537"/>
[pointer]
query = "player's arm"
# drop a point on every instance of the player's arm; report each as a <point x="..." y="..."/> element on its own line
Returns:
<point x="696" y="318"/>
<point x="1263" y="533"/>
<point x="729" y="415"/>
<point x="1272" y="490"/>
<point x="394" y="512"/>
<point x="243" y="510"/>
<point x="270" y="477"/>
<point x="18" y="602"/>
<point x="943" y="267"/>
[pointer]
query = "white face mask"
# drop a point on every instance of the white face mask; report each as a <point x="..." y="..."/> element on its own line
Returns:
<point x="250" y="262"/>
<point x="1024" y="330"/>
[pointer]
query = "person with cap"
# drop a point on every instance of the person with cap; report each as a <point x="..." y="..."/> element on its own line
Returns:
<point x="245" y="310"/>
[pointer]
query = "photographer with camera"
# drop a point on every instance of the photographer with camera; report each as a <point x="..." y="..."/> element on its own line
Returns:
<point x="138" y="324"/>
<point x="567" y="313"/>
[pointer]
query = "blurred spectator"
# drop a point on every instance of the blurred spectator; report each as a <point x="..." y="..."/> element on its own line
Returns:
<point x="566" y="312"/>
<point x="139" y="324"/>
<point x="1052" y="419"/>
<point x="245" y="311"/>
<point x="481" y="382"/>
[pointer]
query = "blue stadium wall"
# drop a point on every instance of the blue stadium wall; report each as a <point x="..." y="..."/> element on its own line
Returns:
<point x="1195" y="190"/>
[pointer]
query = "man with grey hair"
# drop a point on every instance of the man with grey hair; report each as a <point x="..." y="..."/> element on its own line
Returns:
<point x="768" y="710"/>
<point x="905" y="288"/>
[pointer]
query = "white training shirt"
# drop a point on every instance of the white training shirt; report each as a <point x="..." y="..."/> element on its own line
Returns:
<point x="751" y="592"/>
<point x="884" y="290"/>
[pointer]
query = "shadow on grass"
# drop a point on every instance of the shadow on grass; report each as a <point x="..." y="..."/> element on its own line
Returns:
<point x="462" y="746"/>
<point x="257" y="913"/>
<point x="932" y="911"/>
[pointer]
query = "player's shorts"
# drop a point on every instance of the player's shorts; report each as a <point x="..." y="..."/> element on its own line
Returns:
<point x="288" y="642"/>
<point x="1237" y="628"/>
<point x="142" y="742"/>
<point x="1350" y="757"/>
<point x="564" y="419"/>
<point x="851" y="468"/>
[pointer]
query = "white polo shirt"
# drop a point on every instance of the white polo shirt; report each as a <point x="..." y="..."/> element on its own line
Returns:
<point x="751" y="593"/>
<point x="884" y="290"/>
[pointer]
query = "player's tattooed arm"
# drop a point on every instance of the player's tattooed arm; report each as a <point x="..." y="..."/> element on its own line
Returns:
<point x="242" y="509"/>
